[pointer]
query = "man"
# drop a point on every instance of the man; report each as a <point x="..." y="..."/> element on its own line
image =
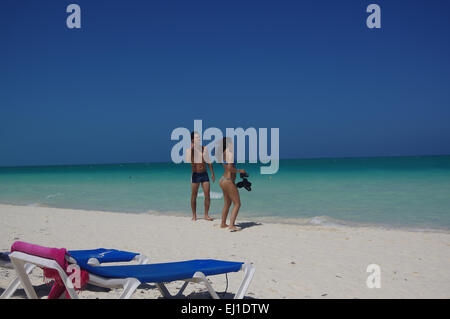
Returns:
<point x="197" y="155"/>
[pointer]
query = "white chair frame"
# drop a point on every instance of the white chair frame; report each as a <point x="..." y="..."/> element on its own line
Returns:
<point x="23" y="264"/>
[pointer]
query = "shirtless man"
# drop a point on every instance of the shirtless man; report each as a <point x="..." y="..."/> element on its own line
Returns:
<point x="198" y="156"/>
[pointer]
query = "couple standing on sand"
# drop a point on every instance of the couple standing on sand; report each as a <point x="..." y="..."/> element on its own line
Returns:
<point x="198" y="157"/>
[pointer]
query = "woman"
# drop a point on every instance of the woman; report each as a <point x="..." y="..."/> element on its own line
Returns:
<point x="226" y="182"/>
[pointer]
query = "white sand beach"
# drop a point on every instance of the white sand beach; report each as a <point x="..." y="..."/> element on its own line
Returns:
<point x="292" y="261"/>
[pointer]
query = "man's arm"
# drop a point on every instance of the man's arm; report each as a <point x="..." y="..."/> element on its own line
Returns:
<point x="212" y="172"/>
<point x="208" y="160"/>
<point x="188" y="154"/>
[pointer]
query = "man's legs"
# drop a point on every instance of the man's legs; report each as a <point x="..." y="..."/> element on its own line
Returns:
<point x="206" y="187"/>
<point x="194" y="187"/>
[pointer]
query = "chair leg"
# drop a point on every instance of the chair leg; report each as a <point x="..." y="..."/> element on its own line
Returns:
<point x="249" y="271"/>
<point x="129" y="288"/>
<point x="165" y="292"/>
<point x="15" y="283"/>
<point x="19" y="267"/>
<point x="200" y="277"/>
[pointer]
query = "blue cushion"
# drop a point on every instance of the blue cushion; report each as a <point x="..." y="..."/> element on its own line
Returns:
<point x="165" y="272"/>
<point x="102" y="255"/>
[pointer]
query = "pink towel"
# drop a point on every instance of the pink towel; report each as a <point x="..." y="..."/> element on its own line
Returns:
<point x="57" y="254"/>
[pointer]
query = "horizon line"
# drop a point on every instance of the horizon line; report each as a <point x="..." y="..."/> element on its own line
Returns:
<point x="168" y="162"/>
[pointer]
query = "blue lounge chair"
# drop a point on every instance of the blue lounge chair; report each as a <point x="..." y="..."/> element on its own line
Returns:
<point x="129" y="277"/>
<point x="89" y="257"/>
<point x="188" y="271"/>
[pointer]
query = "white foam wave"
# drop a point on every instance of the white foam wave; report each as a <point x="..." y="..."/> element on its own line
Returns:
<point x="212" y="195"/>
<point x="323" y="221"/>
<point x="36" y="205"/>
<point x="52" y="195"/>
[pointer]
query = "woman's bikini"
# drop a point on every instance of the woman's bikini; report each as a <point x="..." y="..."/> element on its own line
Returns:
<point x="223" y="178"/>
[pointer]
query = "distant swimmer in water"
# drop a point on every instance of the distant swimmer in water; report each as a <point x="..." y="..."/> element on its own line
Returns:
<point x="198" y="157"/>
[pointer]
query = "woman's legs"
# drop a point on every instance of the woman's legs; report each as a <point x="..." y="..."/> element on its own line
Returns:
<point x="231" y="194"/>
<point x="226" y="206"/>
<point x="236" y="199"/>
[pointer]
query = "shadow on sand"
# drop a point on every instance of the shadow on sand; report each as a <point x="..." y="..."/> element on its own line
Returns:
<point x="41" y="291"/>
<point x="193" y="295"/>
<point x="248" y="225"/>
<point x="44" y="289"/>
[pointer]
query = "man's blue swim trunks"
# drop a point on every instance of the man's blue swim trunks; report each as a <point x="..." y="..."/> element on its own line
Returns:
<point x="200" y="177"/>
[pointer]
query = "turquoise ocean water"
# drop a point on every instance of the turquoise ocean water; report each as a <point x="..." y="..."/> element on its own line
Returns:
<point x="411" y="192"/>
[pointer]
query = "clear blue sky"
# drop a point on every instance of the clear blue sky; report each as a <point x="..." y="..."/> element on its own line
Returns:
<point x="114" y="90"/>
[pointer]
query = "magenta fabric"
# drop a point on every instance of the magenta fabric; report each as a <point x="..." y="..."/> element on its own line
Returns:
<point x="57" y="254"/>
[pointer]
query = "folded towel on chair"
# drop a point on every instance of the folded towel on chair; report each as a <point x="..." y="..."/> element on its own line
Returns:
<point x="58" y="255"/>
